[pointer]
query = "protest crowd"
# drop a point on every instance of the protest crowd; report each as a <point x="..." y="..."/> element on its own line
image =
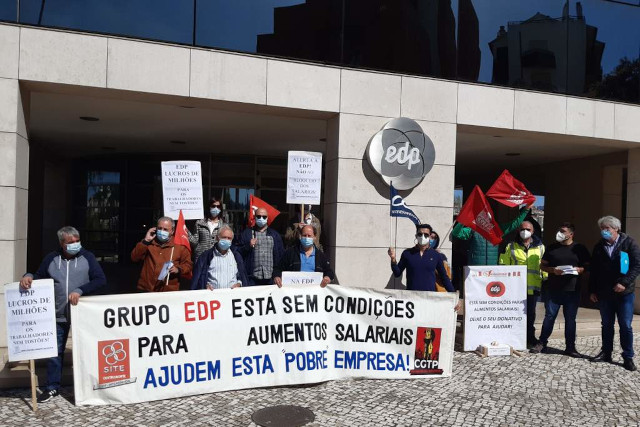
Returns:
<point x="212" y="255"/>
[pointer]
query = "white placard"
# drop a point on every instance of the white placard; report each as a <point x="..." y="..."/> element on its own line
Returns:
<point x="495" y="305"/>
<point x="301" y="277"/>
<point x="304" y="178"/>
<point x="182" y="189"/>
<point x="31" y="321"/>
<point x="140" y="347"/>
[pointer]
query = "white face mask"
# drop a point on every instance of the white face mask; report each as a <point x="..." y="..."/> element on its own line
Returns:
<point x="525" y="234"/>
<point x="423" y="240"/>
<point x="560" y="237"/>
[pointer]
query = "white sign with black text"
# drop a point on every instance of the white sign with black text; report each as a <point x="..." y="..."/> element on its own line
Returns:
<point x="182" y="189"/>
<point x="495" y="302"/>
<point x="304" y="178"/>
<point x="31" y="321"/>
<point x="301" y="278"/>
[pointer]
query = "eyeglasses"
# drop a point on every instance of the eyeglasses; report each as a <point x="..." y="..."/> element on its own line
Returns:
<point x="261" y="216"/>
<point x="423" y="234"/>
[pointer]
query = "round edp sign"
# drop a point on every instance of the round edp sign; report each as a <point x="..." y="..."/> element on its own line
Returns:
<point x="401" y="153"/>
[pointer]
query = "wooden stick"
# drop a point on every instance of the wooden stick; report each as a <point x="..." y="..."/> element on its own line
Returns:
<point x="34" y="401"/>
<point x="166" y="283"/>
<point x="302" y="213"/>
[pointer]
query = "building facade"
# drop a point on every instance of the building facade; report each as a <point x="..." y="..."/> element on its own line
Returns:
<point x="87" y="117"/>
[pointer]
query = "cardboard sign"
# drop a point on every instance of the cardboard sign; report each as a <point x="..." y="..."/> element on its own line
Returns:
<point x="495" y="306"/>
<point x="182" y="189"/>
<point x="304" y="178"/>
<point x="141" y="347"/>
<point x="31" y="321"/>
<point x="301" y="278"/>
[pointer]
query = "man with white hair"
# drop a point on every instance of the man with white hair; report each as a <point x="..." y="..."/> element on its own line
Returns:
<point x="163" y="262"/>
<point x="75" y="272"/>
<point x="220" y="267"/>
<point x="615" y="265"/>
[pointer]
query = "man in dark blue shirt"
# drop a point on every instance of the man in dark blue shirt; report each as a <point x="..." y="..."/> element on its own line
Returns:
<point x="421" y="263"/>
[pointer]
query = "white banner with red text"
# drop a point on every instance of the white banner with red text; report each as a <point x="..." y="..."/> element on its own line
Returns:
<point x="141" y="347"/>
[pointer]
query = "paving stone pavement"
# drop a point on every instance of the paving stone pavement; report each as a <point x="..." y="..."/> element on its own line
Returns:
<point x="535" y="390"/>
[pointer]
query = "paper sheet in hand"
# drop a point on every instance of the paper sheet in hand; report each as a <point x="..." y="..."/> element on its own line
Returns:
<point x="165" y="270"/>
<point x="568" y="269"/>
<point x="301" y="278"/>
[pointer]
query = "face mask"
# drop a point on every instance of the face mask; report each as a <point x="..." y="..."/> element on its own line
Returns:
<point x="261" y="222"/>
<point x="606" y="234"/>
<point x="433" y="243"/>
<point x="214" y="212"/>
<point x="525" y="234"/>
<point x="423" y="241"/>
<point x="560" y="237"/>
<point x="224" y="244"/>
<point x="162" y="235"/>
<point x="306" y="242"/>
<point x="73" y="248"/>
<point x="308" y="220"/>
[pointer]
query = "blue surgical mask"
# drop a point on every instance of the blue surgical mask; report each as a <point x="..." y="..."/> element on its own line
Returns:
<point x="162" y="235"/>
<point x="433" y="243"/>
<point x="214" y="212"/>
<point x="73" y="248"/>
<point x="306" y="242"/>
<point x="606" y="234"/>
<point x="261" y="222"/>
<point x="224" y="244"/>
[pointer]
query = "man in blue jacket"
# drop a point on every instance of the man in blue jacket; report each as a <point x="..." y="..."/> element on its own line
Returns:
<point x="75" y="272"/>
<point x="220" y="267"/>
<point x="615" y="265"/>
<point x="261" y="249"/>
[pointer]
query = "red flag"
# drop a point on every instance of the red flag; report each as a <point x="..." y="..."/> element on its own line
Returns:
<point x="181" y="237"/>
<point x="477" y="215"/>
<point x="256" y="203"/>
<point x="509" y="191"/>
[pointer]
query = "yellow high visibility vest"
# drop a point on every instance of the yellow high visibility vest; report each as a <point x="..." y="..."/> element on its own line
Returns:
<point x="515" y="254"/>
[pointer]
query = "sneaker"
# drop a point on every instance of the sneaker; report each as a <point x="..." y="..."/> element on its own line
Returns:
<point x="572" y="353"/>
<point x="629" y="365"/>
<point x="602" y="357"/>
<point x="47" y="395"/>
<point x="539" y="348"/>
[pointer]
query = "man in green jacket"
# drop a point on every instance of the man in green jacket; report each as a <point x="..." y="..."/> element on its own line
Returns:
<point x="481" y="251"/>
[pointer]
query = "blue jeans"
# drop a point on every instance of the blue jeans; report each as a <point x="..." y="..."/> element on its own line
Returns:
<point x="553" y="300"/>
<point x="621" y="306"/>
<point x="54" y="364"/>
<point x="532" y="300"/>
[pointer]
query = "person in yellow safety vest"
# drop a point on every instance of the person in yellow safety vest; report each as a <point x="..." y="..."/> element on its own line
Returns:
<point x="527" y="250"/>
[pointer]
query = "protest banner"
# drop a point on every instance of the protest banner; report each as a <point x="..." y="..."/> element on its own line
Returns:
<point x="141" y="347"/>
<point x="495" y="301"/>
<point x="182" y="189"/>
<point x="31" y="321"/>
<point x="304" y="178"/>
<point x="301" y="277"/>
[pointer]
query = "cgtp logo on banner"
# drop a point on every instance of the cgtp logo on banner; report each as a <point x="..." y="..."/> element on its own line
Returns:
<point x="427" y="356"/>
<point x="114" y="364"/>
<point x="401" y="153"/>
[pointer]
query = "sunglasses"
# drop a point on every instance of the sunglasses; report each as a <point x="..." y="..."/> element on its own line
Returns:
<point x="423" y="234"/>
<point x="261" y="216"/>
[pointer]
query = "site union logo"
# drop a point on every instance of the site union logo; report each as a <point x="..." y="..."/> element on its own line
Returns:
<point x="401" y="153"/>
<point x="113" y="364"/>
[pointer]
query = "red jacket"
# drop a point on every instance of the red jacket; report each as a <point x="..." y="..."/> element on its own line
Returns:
<point x="154" y="255"/>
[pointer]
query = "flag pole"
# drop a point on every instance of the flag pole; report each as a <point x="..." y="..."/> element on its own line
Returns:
<point x="166" y="283"/>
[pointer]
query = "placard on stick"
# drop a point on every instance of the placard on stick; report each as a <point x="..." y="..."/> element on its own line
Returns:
<point x="31" y="321"/>
<point x="304" y="178"/>
<point x="182" y="189"/>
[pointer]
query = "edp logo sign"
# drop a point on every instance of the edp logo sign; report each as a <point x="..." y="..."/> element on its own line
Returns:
<point x="401" y="153"/>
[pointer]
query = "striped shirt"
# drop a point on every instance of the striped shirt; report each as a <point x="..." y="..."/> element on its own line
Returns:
<point x="223" y="270"/>
<point x="263" y="265"/>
